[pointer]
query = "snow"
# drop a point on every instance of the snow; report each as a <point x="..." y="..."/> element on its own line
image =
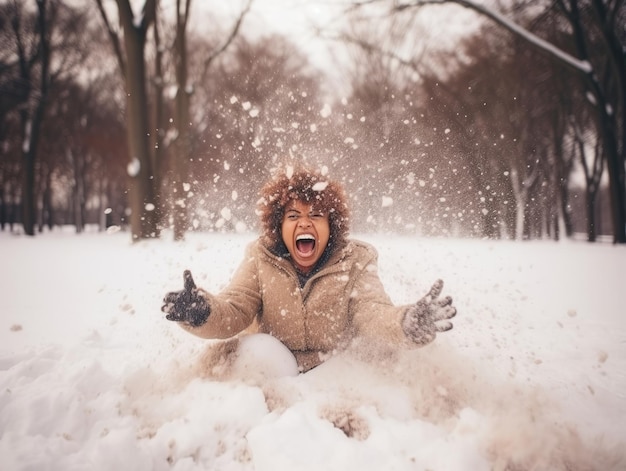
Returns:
<point x="533" y="375"/>
<point x="582" y="66"/>
<point x="28" y="129"/>
<point x="386" y="201"/>
<point x="320" y="186"/>
<point x="134" y="167"/>
<point x="326" y="111"/>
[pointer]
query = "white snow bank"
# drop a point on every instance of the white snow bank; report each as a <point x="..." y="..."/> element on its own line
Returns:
<point x="531" y="377"/>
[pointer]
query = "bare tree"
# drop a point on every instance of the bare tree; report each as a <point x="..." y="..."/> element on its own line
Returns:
<point x="182" y="122"/>
<point x="147" y="203"/>
<point x="52" y="29"/>
<point x="593" y="174"/>
<point x="130" y="52"/>
<point x="597" y="32"/>
<point x="35" y="95"/>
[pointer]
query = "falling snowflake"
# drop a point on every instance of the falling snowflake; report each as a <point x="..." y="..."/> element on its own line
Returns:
<point x="320" y="186"/>
<point x="326" y="111"/>
<point x="133" y="167"/>
<point x="226" y="213"/>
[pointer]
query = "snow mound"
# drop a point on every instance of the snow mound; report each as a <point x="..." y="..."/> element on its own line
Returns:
<point x="531" y="376"/>
<point x="261" y="357"/>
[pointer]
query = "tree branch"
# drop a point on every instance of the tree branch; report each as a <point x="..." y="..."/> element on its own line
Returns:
<point x="562" y="56"/>
<point x="209" y="60"/>
<point x="115" y="39"/>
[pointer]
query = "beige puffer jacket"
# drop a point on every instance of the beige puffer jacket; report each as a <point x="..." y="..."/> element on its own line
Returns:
<point x="344" y="299"/>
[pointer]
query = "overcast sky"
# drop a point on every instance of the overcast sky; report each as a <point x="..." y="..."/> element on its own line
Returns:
<point x="299" y="19"/>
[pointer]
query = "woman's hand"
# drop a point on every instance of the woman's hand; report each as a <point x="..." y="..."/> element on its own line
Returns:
<point x="428" y="316"/>
<point x="188" y="305"/>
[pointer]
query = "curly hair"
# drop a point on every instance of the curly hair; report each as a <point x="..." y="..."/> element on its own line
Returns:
<point x="306" y="186"/>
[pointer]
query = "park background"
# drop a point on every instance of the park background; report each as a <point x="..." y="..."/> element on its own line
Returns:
<point x="481" y="143"/>
<point x="501" y="120"/>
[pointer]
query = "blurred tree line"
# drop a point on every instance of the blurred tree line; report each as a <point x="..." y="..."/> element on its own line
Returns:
<point x="132" y="119"/>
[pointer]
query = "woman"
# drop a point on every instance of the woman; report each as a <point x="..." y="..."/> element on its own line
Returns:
<point x="306" y="284"/>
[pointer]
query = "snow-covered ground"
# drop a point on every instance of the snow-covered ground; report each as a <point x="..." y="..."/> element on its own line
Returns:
<point x="532" y="377"/>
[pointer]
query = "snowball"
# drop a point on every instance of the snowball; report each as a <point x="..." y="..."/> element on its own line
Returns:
<point x="387" y="201"/>
<point x="261" y="356"/>
<point x="133" y="167"/>
<point x="172" y="91"/>
<point x="320" y="186"/>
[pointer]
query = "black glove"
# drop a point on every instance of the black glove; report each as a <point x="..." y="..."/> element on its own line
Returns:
<point x="188" y="305"/>
<point x="428" y="316"/>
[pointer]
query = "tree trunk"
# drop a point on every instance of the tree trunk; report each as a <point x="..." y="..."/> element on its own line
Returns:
<point x="590" y="204"/>
<point x="566" y="214"/>
<point x="144" y="212"/>
<point x="3" y="213"/>
<point x="28" y="190"/>
<point x="31" y="124"/>
<point x="158" y="153"/>
<point x="183" y="141"/>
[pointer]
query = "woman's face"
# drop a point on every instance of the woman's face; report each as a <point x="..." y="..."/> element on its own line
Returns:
<point x="305" y="232"/>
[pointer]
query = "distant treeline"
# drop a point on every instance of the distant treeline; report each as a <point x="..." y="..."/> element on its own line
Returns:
<point x="177" y="129"/>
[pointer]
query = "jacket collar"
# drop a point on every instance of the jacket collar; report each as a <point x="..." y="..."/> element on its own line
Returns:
<point x="336" y="255"/>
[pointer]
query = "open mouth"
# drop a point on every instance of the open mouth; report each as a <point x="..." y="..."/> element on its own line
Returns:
<point x="305" y="244"/>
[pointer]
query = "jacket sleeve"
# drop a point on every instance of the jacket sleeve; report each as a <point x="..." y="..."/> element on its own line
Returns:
<point x="373" y="313"/>
<point x="236" y="306"/>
